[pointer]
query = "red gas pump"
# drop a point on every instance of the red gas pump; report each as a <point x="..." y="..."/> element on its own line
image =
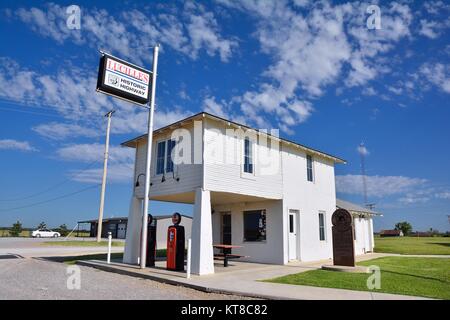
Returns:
<point x="175" y="244"/>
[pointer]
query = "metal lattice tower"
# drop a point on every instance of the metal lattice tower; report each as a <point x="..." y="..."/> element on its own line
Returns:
<point x="362" y="153"/>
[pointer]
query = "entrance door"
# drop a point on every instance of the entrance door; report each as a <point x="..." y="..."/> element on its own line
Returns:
<point x="226" y="230"/>
<point x="293" y="226"/>
<point x="121" y="229"/>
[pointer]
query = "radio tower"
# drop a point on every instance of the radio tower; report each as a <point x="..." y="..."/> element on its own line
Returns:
<point x="362" y="152"/>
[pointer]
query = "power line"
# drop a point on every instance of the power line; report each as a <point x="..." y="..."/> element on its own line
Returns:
<point x="32" y="104"/>
<point x="50" y="200"/>
<point x="33" y="112"/>
<point x="53" y="186"/>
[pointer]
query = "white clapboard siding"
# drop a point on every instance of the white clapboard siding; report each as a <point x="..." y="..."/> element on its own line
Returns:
<point x="190" y="175"/>
<point x="223" y="167"/>
<point x="309" y="198"/>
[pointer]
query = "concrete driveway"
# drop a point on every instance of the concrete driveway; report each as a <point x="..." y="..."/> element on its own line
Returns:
<point x="24" y="275"/>
<point x="36" y="279"/>
<point x="35" y="247"/>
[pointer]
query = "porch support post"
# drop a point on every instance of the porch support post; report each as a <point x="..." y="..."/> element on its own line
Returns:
<point x="202" y="257"/>
<point x="133" y="235"/>
<point x="371" y="236"/>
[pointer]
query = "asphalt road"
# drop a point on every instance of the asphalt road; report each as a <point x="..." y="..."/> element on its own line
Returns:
<point x="35" y="278"/>
<point x="34" y="247"/>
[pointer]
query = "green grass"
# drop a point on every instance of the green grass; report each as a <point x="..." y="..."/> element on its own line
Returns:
<point x="413" y="245"/>
<point x="425" y="277"/>
<point x="100" y="256"/>
<point x="83" y="243"/>
<point x="74" y="259"/>
<point x="6" y="233"/>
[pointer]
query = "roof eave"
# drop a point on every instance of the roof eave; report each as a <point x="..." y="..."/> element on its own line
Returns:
<point x="133" y="142"/>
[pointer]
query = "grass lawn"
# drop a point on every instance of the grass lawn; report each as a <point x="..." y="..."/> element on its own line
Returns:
<point x="74" y="259"/>
<point x="83" y="243"/>
<point x="425" y="277"/>
<point x="5" y="233"/>
<point x="413" y="245"/>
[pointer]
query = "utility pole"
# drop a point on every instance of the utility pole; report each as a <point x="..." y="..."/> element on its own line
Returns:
<point x="362" y="152"/>
<point x="105" y="167"/>
<point x="149" y="159"/>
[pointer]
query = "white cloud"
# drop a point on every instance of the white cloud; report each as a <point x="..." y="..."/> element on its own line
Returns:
<point x="313" y="50"/>
<point x="120" y="162"/>
<point x="435" y="7"/>
<point x="77" y="102"/>
<point x="95" y="151"/>
<point x="50" y="23"/>
<point x="10" y="144"/>
<point x="188" y="30"/>
<point x="377" y="186"/>
<point x="362" y="150"/>
<point x="443" y="195"/>
<point x="203" y="33"/>
<point x="117" y="173"/>
<point x="437" y="74"/>
<point x="20" y="85"/>
<point x="61" y="131"/>
<point x="429" y="29"/>
<point x="411" y="198"/>
<point x="210" y="105"/>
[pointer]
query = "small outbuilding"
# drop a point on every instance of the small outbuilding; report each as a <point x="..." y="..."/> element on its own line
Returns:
<point x="362" y="224"/>
<point x="118" y="227"/>
<point x="391" y="233"/>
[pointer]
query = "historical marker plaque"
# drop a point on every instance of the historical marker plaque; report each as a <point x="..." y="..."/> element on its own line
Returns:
<point x="343" y="245"/>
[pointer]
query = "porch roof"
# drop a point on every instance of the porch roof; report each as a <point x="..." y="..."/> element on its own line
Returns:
<point x="352" y="207"/>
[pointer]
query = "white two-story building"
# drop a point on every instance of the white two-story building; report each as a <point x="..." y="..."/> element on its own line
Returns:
<point x="272" y="197"/>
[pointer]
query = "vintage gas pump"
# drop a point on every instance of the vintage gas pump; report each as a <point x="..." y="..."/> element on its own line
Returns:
<point x="151" y="241"/>
<point x="175" y="244"/>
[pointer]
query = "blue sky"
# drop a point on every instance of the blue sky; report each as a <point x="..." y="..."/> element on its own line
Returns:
<point x="312" y="69"/>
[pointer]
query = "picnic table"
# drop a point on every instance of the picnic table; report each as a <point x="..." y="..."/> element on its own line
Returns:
<point x="225" y="255"/>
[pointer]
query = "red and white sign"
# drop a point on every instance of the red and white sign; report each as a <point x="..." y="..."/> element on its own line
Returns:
<point x="123" y="80"/>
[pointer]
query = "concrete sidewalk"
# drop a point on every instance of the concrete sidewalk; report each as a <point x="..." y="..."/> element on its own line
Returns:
<point x="242" y="278"/>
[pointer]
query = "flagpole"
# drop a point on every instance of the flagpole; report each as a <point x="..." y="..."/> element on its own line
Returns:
<point x="149" y="158"/>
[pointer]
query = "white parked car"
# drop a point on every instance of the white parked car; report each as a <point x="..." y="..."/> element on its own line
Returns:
<point x="45" y="233"/>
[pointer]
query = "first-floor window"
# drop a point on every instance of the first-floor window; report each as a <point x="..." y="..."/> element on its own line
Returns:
<point x="255" y="225"/>
<point x="321" y="226"/>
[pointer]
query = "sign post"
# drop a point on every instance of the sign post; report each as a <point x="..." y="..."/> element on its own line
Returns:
<point x="149" y="158"/>
<point x="131" y="83"/>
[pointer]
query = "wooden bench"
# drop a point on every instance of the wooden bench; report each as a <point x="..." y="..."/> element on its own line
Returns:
<point x="227" y="256"/>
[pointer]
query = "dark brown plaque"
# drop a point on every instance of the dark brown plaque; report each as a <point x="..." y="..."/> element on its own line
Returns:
<point x="343" y="245"/>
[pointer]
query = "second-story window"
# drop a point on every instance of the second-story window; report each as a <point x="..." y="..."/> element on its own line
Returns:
<point x="248" y="155"/>
<point x="164" y="161"/>
<point x="309" y="168"/>
<point x="160" y="157"/>
<point x="169" y="162"/>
